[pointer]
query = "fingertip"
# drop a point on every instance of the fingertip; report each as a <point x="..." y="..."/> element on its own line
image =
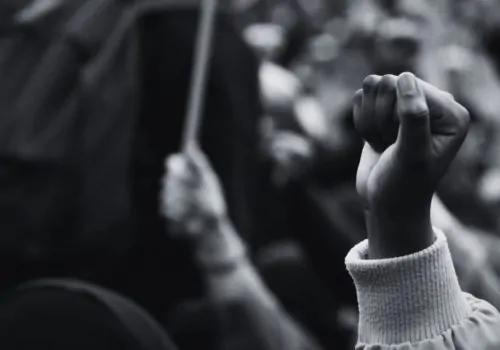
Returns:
<point x="407" y="85"/>
<point x="358" y="97"/>
<point x="407" y="74"/>
<point x="411" y="99"/>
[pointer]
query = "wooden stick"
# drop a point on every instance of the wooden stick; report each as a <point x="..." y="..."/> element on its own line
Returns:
<point x="199" y="77"/>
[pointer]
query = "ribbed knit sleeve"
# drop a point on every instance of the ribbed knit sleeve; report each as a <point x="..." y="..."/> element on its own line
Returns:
<point x="415" y="302"/>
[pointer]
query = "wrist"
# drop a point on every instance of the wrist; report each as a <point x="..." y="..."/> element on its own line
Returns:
<point x="208" y="224"/>
<point x="219" y="244"/>
<point x="398" y="234"/>
<point x="216" y="230"/>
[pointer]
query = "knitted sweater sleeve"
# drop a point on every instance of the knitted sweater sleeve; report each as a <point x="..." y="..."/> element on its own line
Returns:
<point x="415" y="302"/>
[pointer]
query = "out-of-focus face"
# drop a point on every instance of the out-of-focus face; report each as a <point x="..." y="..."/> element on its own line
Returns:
<point x="397" y="45"/>
<point x="242" y="5"/>
<point x="399" y="28"/>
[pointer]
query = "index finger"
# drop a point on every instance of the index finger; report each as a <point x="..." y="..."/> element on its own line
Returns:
<point x="445" y="112"/>
<point x="433" y="93"/>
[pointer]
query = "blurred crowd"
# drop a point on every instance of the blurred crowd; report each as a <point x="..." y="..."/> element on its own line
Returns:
<point x="89" y="190"/>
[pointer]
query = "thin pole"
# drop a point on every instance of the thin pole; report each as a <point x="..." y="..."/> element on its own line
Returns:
<point x="202" y="55"/>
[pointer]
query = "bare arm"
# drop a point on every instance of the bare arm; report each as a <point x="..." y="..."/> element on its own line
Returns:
<point x="250" y="316"/>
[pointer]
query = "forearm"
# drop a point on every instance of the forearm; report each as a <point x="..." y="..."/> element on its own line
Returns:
<point x="242" y="298"/>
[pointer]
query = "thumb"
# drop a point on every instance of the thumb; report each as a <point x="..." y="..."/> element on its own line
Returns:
<point x="414" y="138"/>
<point x="198" y="161"/>
<point x="200" y="165"/>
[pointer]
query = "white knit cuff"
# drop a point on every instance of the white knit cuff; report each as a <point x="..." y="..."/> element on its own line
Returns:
<point x="409" y="298"/>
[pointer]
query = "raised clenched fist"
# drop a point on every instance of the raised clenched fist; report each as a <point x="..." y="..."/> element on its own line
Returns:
<point x="412" y="131"/>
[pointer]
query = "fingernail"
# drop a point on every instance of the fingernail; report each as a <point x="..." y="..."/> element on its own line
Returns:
<point x="407" y="85"/>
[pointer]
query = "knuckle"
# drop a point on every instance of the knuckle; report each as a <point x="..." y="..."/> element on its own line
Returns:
<point x="370" y="82"/>
<point x="388" y="83"/>
<point x="416" y="110"/>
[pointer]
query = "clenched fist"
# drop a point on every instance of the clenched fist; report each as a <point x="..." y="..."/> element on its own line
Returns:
<point x="412" y="131"/>
<point x="192" y="198"/>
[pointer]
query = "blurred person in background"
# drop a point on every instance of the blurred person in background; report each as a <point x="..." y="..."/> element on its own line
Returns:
<point x="482" y="20"/>
<point x="474" y="252"/>
<point x="229" y="135"/>
<point x="69" y="314"/>
<point x="110" y="230"/>
<point x="247" y="313"/>
<point x="305" y="150"/>
<point x="402" y="259"/>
